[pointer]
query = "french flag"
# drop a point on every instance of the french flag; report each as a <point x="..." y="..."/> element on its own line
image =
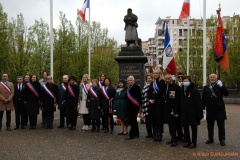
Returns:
<point x="169" y="64"/>
<point x="185" y="9"/>
<point x="83" y="10"/>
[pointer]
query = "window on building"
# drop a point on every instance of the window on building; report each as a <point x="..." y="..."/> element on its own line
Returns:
<point x="180" y="32"/>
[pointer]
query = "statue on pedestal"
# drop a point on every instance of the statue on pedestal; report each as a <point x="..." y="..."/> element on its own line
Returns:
<point x="131" y="36"/>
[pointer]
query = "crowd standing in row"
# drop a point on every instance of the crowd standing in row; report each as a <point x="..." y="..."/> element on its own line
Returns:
<point x="161" y="101"/>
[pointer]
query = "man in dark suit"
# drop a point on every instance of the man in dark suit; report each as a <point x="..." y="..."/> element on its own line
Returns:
<point x="133" y="104"/>
<point x="18" y="101"/>
<point x="171" y="107"/>
<point x="212" y="101"/>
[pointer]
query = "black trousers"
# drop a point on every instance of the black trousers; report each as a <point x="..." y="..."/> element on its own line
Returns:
<point x="20" y="114"/>
<point x="149" y="126"/>
<point x="62" y="118"/>
<point x="173" y="129"/>
<point x="105" y="117"/>
<point x="221" y="129"/>
<point x="96" y="122"/>
<point x="134" y="130"/>
<point x="179" y="128"/>
<point x="187" y="134"/>
<point x="44" y="117"/>
<point x="33" y="120"/>
<point x="86" y="119"/>
<point x="8" y="118"/>
<point x="73" y="121"/>
<point x="49" y="115"/>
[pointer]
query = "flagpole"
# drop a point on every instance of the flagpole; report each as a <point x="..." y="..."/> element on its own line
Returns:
<point x="188" y="46"/>
<point x="204" y="45"/>
<point x="89" y="45"/>
<point x="51" y="38"/>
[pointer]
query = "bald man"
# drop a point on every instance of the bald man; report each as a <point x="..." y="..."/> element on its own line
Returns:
<point x="212" y="101"/>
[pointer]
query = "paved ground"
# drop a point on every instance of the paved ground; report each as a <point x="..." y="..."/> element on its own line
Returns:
<point x="26" y="144"/>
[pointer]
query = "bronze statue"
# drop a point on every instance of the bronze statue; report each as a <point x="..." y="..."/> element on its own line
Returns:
<point x="131" y="36"/>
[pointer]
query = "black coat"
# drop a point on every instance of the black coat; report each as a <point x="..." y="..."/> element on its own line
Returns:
<point x="103" y="102"/>
<point x="71" y="103"/>
<point x="171" y="101"/>
<point x="32" y="101"/>
<point x="215" y="107"/>
<point x="92" y="104"/>
<point x="156" y="110"/>
<point x="47" y="100"/>
<point x="18" y="98"/>
<point x="191" y="110"/>
<point x="61" y="96"/>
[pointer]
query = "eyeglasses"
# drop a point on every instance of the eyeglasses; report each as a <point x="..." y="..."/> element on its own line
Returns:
<point x="180" y="76"/>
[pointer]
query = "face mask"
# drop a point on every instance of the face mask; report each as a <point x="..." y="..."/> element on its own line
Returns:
<point x="186" y="84"/>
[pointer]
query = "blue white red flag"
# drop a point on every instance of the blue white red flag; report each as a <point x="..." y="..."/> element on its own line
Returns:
<point x="169" y="64"/>
<point x="82" y="12"/>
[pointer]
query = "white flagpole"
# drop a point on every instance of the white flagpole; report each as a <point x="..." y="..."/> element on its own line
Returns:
<point x="188" y="46"/>
<point x="51" y="38"/>
<point x="89" y="45"/>
<point x="204" y="45"/>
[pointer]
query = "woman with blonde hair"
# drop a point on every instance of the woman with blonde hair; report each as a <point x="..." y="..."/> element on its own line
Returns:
<point x="84" y="88"/>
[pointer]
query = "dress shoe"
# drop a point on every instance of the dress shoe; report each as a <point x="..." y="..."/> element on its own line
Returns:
<point x="222" y="143"/>
<point x="120" y="133"/>
<point x="174" y="144"/>
<point x="129" y="137"/>
<point x="68" y="126"/>
<point x="9" y="129"/>
<point x="209" y="142"/>
<point x="72" y="128"/>
<point x="186" y="145"/>
<point x="192" y="146"/>
<point x="169" y="142"/>
<point x="16" y="128"/>
<point x="148" y="136"/>
<point x="93" y="129"/>
<point x="60" y="126"/>
<point x="125" y="133"/>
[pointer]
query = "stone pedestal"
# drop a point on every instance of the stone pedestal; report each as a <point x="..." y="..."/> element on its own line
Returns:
<point x="131" y="61"/>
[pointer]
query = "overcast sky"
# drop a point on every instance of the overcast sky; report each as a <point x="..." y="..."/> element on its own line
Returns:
<point x="110" y="13"/>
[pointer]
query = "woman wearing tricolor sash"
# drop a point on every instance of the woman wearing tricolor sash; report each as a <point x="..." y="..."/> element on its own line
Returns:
<point x="92" y="105"/>
<point x="105" y="102"/>
<point x="32" y="100"/>
<point x="156" y="107"/>
<point x="71" y="102"/>
<point x="83" y="92"/>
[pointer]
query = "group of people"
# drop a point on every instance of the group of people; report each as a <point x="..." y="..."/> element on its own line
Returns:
<point x="161" y="100"/>
<point x="180" y="105"/>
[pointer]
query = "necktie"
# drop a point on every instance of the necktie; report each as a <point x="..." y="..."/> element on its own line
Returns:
<point x="167" y="90"/>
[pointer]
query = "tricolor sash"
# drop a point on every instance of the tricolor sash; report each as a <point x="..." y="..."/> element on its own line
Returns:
<point x="71" y="91"/>
<point x="100" y="84"/>
<point x="104" y="91"/>
<point x="30" y="86"/>
<point x="63" y="86"/>
<point x="84" y="86"/>
<point x="155" y="87"/>
<point x="94" y="94"/>
<point x="49" y="92"/>
<point x="132" y="99"/>
<point x="4" y="84"/>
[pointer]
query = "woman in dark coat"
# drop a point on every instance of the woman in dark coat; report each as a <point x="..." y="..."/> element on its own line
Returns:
<point x="191" y="111"/>
<point x="105" y="101"/>
<point x="120" y="105"/>
<point x="91" y="104"/>
<point x="71" y="102"/>
<point x="32" y="100"/>
<point x="156" y="106"/>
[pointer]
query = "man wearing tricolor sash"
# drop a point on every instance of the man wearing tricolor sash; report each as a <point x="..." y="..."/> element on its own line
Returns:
<point x="156" y="107"/>
<point x="6" y="102"/>
<point x="133" y="105"/>
<point x="61" y="95"/>
<point x="71" y="102"/>
<point x="49" y="101"/>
